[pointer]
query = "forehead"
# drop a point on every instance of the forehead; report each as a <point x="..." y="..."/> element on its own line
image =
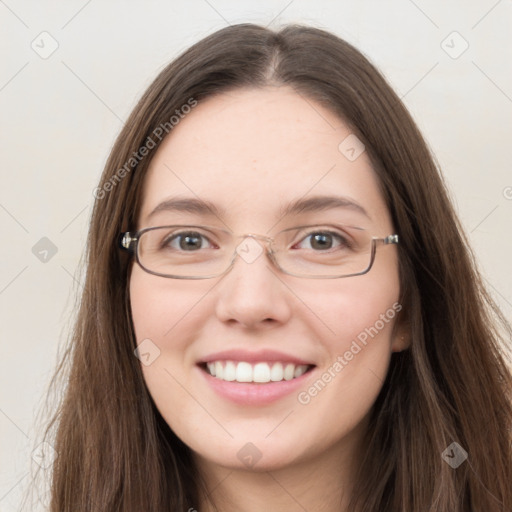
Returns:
<point x="254" y="151"/>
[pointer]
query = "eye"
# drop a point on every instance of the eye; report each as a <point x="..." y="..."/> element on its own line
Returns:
<point x="186" y="241"/>
<point x="323" y="240"/>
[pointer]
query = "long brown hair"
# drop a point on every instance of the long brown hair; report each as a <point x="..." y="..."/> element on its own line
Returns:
<point x="116" y="453"/>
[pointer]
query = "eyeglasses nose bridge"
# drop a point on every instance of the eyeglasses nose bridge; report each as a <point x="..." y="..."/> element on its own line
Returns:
<point x="269" y="242"/>
<point x="269" y="247"/>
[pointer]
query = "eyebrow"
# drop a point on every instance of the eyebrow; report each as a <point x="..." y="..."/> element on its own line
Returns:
<point x="188" y="205"/>
<point x="322" y="203"/>
<point x="310" y="204"/>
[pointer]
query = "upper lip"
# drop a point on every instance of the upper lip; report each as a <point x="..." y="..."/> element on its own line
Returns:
<point x="259" y="356"/>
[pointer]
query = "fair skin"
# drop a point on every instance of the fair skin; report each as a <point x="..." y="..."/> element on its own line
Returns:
<point x="251" y="152"/>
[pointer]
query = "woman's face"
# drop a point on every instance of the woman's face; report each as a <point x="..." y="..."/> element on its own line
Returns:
<point x="251" y="153"/>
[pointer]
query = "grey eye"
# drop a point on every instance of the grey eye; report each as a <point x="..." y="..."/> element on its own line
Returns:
<point x="187" y="241"/>
<point x="323" y="240"/>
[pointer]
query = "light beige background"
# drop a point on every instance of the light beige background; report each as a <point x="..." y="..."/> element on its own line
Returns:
<point x="60" y="115"/>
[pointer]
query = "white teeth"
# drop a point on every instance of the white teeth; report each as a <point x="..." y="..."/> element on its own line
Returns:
<point x="299" y="370"/>
<point x="289" y="371"/>
<point x="219" y="370"/>
<point x="260" y="372"/>
<point x="229" y="371"/>
<point x="276" y="373"/>
<point x="243" y="372"/>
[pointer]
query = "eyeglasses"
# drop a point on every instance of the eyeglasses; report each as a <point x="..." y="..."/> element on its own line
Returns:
<point x="203" y="252"/>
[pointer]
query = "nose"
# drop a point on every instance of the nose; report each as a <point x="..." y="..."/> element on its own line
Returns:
<point x="252" y="293"/>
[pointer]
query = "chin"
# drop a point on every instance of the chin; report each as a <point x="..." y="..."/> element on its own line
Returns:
<point x="251" y="457"/>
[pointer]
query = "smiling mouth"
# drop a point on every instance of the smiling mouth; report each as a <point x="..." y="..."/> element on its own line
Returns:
<point x="260" y="373"/>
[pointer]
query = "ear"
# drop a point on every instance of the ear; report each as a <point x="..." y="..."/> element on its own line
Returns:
<point x="401" y="341"/>
<point x="402" y="334"/>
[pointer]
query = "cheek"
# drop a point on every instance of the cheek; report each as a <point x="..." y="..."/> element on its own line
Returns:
<point x="162" y="313"/>
<point x="358" y="317"/>
<point x="360" y="348"/>
<point x="362" y="317"/>
<point x="366" y="317"/>
<point x="160" y="307"/>
<point x="165" y="323"/>
<point x="363" y="308"/>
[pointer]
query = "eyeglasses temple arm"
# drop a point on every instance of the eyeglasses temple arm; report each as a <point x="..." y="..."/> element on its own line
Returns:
<point x="391" y="239"/>
<point x="127" y="241"/>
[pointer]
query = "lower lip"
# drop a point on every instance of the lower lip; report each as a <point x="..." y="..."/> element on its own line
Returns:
<point x="253" y="393"/>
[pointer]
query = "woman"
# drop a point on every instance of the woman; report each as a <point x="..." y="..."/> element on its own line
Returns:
<point x="280" y="311"/>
